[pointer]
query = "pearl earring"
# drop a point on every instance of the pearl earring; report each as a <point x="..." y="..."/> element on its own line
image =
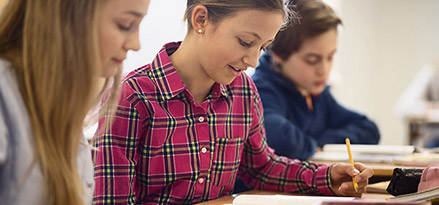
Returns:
<point x="200" y="30"/>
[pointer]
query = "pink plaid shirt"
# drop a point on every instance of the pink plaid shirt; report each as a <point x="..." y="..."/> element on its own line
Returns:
<point x="166" y="148"/>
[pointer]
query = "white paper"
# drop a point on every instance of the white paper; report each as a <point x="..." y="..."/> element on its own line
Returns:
<point x="371" y="149"/>
<point x="285" y="199"/>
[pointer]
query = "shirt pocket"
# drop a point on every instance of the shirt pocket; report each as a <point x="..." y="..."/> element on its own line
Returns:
<point x="226" y="163"/>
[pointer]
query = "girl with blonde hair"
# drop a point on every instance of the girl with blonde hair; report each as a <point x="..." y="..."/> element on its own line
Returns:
<point x="53" y="54"/>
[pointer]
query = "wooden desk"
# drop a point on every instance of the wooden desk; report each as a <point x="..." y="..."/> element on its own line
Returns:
<point x="382" y="170"/>
<point x="229" y="199"/>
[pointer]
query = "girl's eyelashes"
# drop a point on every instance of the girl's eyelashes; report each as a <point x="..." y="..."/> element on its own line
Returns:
<point x="248" y="45"/>
<point x="124" y="27"/>
<point x="243" y="43"/>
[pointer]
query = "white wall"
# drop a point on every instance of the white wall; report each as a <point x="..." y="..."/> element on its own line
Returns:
<point x="382" y="46"/>
<point x="162" y="24"/>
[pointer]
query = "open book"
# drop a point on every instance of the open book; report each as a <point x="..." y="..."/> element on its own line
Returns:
<point x="246" y="199"/>
<point x="427" y="195"/>
<point x="285" y="199"/>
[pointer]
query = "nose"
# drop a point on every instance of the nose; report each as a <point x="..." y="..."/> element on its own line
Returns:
<point x="133" y="42"/>
<point x="251" y="60"/>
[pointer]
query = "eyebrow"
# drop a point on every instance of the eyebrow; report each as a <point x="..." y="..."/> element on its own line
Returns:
<point x="318" y="55"/>
<point x="254" y="34"/>
<point x="312" y="55"/>
<point x="257" y="36"/>
<point x="135" y="13"/>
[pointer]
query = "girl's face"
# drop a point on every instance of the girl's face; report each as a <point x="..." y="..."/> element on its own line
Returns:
<point x="232" y="45"/>
<point x="119" y="32"/>
<point x="309" y="67"/>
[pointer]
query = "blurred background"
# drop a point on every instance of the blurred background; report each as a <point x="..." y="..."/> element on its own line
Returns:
<point x="382" y="45"/>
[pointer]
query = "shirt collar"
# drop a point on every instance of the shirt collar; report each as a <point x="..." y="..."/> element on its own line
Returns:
<point x="220" y="90"/>
<point x="166" y="78"/>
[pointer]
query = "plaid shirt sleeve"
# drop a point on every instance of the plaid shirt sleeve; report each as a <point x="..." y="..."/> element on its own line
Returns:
<point x="262" y="169"/>
<point x="116" y="159"/>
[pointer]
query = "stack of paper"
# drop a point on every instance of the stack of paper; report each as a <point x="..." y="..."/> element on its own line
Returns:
<point x="371" y="149"/>
<point x="364" y="153"/>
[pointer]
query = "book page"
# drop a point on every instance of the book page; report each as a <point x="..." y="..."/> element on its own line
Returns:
<point x="418" y="196"/>
<point x="284" y="199"/>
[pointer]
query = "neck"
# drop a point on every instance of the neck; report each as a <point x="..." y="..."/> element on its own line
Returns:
<point x="186" y="62"/>
<point x="308" y="100"/>
<point x="304" y="92"/>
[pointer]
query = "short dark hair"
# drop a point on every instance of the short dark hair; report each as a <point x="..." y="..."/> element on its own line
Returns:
<point x="316" y="18"/>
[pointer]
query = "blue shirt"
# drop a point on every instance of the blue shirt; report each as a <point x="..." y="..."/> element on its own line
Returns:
<point x="295" y="131"/>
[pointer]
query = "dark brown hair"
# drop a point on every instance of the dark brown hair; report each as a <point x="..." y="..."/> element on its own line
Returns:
<point x="316" y="18"/>
<point x="220" y="9"/>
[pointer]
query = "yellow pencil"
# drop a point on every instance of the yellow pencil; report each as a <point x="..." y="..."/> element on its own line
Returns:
<point x="348" y="145"/>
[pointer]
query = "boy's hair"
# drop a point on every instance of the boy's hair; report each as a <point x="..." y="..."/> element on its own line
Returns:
<point x="316" y="18"/>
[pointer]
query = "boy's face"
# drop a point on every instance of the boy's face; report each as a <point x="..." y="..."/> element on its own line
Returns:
<point x="308" y="68"/>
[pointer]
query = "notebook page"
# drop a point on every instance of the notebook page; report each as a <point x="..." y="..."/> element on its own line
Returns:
<point x="283" y="199"/>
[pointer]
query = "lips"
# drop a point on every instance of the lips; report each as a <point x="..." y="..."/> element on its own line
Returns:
<point x="236" y="69"/>
<point x="117" y="60"/>
<point x="320" y="83"/>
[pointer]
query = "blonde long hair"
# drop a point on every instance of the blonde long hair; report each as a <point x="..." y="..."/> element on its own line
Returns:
<point x="53" y="47"/>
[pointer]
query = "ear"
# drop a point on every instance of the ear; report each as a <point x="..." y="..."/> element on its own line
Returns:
<point x="199" y="18"/>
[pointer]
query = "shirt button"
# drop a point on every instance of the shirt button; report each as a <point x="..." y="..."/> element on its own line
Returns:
<point x="200" y="180"/>
<point x="203" y="150"/>
<point x="201" y="119"/>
